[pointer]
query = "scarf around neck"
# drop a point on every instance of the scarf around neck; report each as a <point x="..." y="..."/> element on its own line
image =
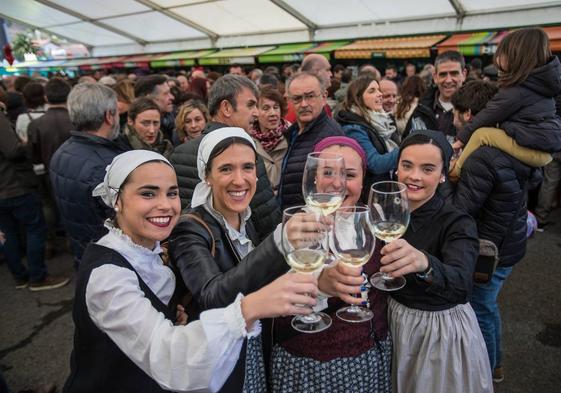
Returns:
<point x="271" y="138"/>
<point x="382" y="123"/>
<point x="162" y="146"/>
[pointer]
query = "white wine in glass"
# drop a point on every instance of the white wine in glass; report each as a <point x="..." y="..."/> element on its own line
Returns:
<point x="305" y="253"/>
<point x="389" y="231"/>
<point x="324" y="203"/>
<point x="389" y="209"/>
<point x="306" y="261"/>
<point x="353" y="244"/>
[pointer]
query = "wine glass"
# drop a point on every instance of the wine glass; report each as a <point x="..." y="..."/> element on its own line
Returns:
<point x="353" y="244"/>
<point x="305" y="253"/>
<point x="324" y="182"/>
<point x="389" y="210"/>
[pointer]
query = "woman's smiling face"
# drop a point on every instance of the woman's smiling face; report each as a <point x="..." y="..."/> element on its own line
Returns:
<point x="148" y="204"/>
<point x="353" y="170"/>
<point x="420" y="169"/>
<point x="233" y="179"/>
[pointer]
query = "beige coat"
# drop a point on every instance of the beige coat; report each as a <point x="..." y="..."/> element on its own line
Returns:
<point x="273" y="161"/>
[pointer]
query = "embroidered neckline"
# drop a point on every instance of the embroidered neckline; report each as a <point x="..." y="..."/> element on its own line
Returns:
<point x="128" y="241"/>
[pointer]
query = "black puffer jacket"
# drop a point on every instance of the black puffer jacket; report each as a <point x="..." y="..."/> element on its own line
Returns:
<point x="77" y="167"/>
<point x="431" y="111"/>
<point x="299" y="146"/>
<point x="526" y="112"/>
<point x="422" y="118"/>
<point x="215" y="281"/>
<point x="492" y="189"/>
<point x="265" y="212"/>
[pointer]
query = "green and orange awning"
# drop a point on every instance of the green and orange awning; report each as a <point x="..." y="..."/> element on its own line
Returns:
<point x="472" y="44"/>
<point x="234" y="56"/>
<point x="285" y="53"/>
<point x="391" y="48"/>
<point x="180" y="58"/>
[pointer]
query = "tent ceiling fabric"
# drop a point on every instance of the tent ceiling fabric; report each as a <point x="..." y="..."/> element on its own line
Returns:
<point x="122" y="27"/>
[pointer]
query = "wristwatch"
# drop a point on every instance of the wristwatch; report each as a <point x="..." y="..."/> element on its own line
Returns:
<point x="426" y="275"/>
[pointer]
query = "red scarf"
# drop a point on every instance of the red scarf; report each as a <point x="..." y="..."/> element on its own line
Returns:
<point x="269" y="139"/>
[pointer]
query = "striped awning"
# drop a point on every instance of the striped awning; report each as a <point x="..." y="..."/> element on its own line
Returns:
<point x="234" y="56"/>
<point x="471" y="44"/>
<point x="326" y="47"/>
<point x="286" y="53"/>
<point x="141" y="61"/>
<point x="554" y="34"/>
<point x="396" y="48"/>
<point x="180" y="58"/>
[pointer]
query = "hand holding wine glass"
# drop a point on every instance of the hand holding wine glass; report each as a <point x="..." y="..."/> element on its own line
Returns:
<point x="353" y="245"/>
<point x="390" y="213"/>
<point x="304" y="234"/>
<point x="400" y="258"/>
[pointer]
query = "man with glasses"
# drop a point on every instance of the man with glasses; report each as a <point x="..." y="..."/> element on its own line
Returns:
<point x="307" y="94"/>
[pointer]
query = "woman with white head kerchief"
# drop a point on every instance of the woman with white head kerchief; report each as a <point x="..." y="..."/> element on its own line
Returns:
<point x="239" y="263"/>
<point x="125" y="339"/>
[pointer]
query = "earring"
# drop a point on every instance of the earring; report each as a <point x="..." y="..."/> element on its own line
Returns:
<point x="442" y="180"/>
<point x="116" y="208"/>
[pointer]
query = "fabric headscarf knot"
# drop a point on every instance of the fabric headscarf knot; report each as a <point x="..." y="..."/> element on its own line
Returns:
<point x="208" y="143"/>
<point x="120" y="168"/>
<point x="342" y="141"/>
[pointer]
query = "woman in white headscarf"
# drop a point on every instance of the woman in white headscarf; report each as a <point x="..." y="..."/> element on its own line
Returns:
<point x="125" y="338"/>
<point x="223" y="257"/>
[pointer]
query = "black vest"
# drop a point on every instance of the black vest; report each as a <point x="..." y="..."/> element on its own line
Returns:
<point x="96" y="363"/>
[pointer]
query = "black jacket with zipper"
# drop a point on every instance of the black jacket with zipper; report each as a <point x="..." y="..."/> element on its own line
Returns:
<point x="215" y="281"/>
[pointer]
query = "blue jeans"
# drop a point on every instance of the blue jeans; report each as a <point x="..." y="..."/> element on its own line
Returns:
<point x="24" y="211"/>
<point x="484" y="303"/>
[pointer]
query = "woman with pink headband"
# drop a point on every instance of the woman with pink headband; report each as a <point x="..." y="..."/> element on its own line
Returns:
<point x="347" y="357"/>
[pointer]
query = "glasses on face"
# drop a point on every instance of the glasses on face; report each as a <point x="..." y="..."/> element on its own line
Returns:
<point x="308" y="97"/>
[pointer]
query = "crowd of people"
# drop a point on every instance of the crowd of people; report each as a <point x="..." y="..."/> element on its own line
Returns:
<point x="169" y="190"/>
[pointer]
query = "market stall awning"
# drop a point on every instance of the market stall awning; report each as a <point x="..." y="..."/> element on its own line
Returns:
<point x="179" y="58"/>
<point x="471" y="44"/>
<point x="286" y="53"/>
<point x="93" y="63"/>
<point x="140" y="61"/>
<point x="554" y="34"/>
<point x="48" y="65"/>
<point x="396" y="48"/>
<point x="234" y="56"/>
<point x="326" y="48"/>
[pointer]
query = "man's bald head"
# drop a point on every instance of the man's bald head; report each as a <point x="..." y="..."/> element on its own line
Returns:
<point x="318" y="65"/>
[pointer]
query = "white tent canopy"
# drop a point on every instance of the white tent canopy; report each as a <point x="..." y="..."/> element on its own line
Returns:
<point x="121" y="27"/>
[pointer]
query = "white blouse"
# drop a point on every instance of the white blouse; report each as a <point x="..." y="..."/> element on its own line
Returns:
<point x="197" y="357"/>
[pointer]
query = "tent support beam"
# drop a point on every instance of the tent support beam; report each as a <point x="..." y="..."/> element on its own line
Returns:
<point x="458" y="9"/>
<point x="312" y="27"/>
<point x="95" y="22"/>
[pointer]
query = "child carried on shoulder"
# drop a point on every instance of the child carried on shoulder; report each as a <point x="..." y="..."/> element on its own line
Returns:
<point x="523" y="109"/>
